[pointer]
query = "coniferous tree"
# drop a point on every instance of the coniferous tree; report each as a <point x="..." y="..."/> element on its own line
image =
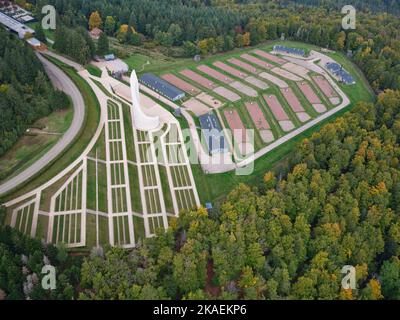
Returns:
<point x="39" y="33"/>
<point x="103" y="46"/>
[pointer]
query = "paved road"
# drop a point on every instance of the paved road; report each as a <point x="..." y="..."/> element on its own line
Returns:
<point x="65" y="60"/>
<point x="61" y="81"/>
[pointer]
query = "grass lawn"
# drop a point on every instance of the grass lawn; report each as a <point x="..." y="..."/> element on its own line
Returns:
<point x="138" y="226"/>
<point x="100" y="147"/>
<point x="93" y="70"/>
<point x="130" y="147"/>
<point x="102" y="88"/>
<point x="30" y="147"/>
<point x="48" y="32"/>
<point x="135" y="189"/>
<point x="153" y="62"/>
<point x="166" y="190"/>
<point x="42" y="225"/>
<point x="92" y="116"/>
<point x="91" y="186"/>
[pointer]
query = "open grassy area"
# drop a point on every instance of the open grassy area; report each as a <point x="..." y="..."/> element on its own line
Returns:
<point x="166" y="190"/>
<point x="42" y="225"/>
<point x="92" y="116"/>
<point x="130" y="148"/>
<point x="138" y="226"/>
<point x="153" y="62"/>
<point x="93" y="70"/>
<point x="91" y="186"/>
<point x="30" y="147"/>
<point x="48" y="32"/>
<point x="135" y="189"/>
<point x="99" y="147"/>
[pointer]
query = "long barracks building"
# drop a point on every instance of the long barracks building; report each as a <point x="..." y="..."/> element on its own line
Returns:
<point x="162" y="87"/>
<point x="15" y="26"/>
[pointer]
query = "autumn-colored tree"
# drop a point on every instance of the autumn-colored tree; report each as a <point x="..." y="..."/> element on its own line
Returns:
<point x="341" y="40"/>
<point x="246" y="39"/>
<point x="270" y="180"/>
<point x="109" y="25"/>
<point x="95" y="20"/>
<point x="239" y="41"/>
<point x="203" y="47"/>
<point x="122" y="31"/>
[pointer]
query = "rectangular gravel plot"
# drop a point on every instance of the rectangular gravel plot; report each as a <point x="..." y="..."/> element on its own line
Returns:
<point x="258" y="62"/>
<point x="276" y="107"/>
<point x="325" y="86"/>
<point x="215" y="74"/>
<point x="309" y="93"/>
<point x="227" y="94"/>
<point x="257" y="83"/>
<point x="244" y="65"/>
<point x="235" y="72"/>
<point x="257" y="116"/>
<point x="246" y="90"/>
<point x="269" y="56"/>
<point x="181" y="84"/>
<point x="198" y="79"/>
<point x="275" y="80"/>
<point x="291" y="98"/>
<point x="235" y="123"/>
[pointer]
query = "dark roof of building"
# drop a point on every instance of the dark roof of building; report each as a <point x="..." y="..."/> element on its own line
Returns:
<point x="333" y="66"/>
<point x="160" y="85"/>
<point x="210" y="121"/>
<point x="209" y="205"/>
<point x="14" y="25"/>
<point x="298" y="52"/>
<point x="338" y="70"/>
<point x="212" y="131"/>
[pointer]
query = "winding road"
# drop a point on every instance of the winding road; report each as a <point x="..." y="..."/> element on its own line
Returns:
<point x="62" y="82"/>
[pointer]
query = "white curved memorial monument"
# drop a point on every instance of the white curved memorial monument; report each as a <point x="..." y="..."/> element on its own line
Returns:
<point x="141" y="120"/>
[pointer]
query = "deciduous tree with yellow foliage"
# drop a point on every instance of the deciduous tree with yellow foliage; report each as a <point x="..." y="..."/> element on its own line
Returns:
<point x="95" y="20"/>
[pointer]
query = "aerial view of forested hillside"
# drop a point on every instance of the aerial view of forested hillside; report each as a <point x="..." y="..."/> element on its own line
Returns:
<point x="330" y="199"/>
<point x="25" y="91"/>
<point x="217" y="28"/>
<point x="287" y="238"/>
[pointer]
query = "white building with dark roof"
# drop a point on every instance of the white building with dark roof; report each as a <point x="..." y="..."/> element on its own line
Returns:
<point x="15" y="26"/>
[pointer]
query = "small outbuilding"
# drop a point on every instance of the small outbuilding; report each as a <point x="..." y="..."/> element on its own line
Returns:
<point x="95" y="33"/>
<point x="109" y="57"/>
<point x="36" y="44"/>
<point x="213" y="133"/>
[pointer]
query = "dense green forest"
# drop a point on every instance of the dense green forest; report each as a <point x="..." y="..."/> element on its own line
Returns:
<point x="391" y="6"/>
<point x="76" y="43"/>
<point x="21" y="263"/>
<point x="25" y="91"/>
